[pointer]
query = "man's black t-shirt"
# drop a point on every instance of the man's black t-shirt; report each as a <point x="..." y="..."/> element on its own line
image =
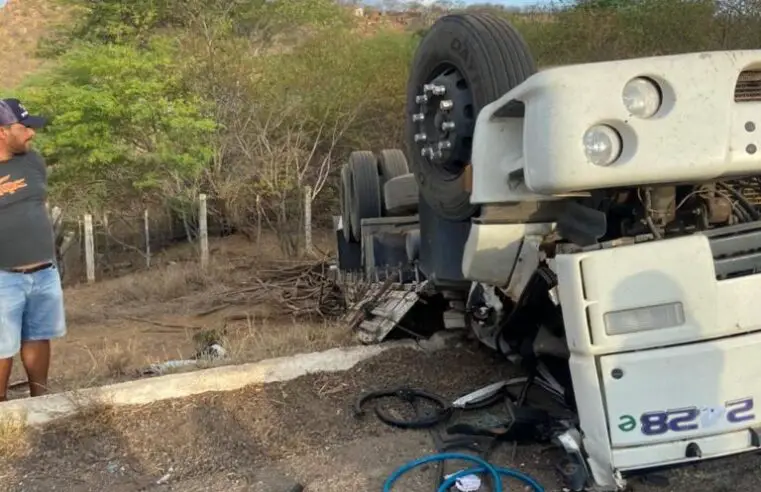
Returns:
<point x="26" y="235"/>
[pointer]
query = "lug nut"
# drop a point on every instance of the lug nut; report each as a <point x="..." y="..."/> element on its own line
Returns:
<point x="421" y="99"/>
<point x="428" y="88"/>
<point x="446" y="105"/>
<point x="427" y="152"/>
<point x="421" y="137"/>
<point x="447" y="126"/>
<point x="418" y="117"/>
<point x="439" y="90"/>
<point x="445" y="145"/>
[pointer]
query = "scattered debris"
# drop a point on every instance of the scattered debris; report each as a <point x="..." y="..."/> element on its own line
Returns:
<point x="468" y="483"/>
<point x="484" y="419"/>
<point x="164" y="479"/>
<point x="299" y="289"/>
<point x="214" y="351"/>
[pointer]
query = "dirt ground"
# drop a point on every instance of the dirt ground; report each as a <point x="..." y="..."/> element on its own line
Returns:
<point x="269" y="438"/>
<point x="117" y="327"/>
<point x="260" y="438"/>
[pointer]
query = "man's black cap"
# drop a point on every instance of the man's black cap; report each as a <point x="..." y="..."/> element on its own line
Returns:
<point x="12" y="111"/>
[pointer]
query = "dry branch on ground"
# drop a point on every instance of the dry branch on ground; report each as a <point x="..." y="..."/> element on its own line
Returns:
<point x="300" y="289"/>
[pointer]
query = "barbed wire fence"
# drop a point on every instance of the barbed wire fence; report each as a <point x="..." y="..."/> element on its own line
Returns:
<point x="111" y="244"/>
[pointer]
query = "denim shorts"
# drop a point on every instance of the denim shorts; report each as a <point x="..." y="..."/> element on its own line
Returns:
<point x="31" y="308"/>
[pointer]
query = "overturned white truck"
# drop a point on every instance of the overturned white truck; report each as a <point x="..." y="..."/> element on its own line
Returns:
<point x="602" y="225"/>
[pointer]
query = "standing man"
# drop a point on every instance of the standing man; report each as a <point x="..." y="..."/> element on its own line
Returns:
<point x="31" y="297"/>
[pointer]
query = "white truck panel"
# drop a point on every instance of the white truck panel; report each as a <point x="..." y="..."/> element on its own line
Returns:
<point x="643" y="397"/>
<point x="672" y="453"/>
<point x="683" y="392"/>
<point x="698" y="135"/>
<point x="490" y="252"/>
<point x="678" y="270"/>
<point x="495" y="253"/>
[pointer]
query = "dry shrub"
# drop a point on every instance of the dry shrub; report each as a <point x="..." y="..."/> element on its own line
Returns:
<point x="90" y="419"/>
<point x="117" y="359"/>
<point x="291" y="117"/>
<point x="14" y="441"/>
<point x="559" y="35"/>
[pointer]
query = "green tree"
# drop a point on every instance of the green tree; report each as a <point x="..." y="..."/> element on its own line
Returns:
<point x="120" y="21"/>
<point x="122" y="125"/>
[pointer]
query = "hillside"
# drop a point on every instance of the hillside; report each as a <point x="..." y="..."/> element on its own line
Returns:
<point x="295" y="84"/>
<point x="22" y="24"/>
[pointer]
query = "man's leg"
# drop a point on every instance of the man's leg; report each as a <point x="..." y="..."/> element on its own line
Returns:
<point x="35" y="354"/>
<point x="5" y="375"/>
<point x="44" y="320"/>
<point x="12" y="302"/>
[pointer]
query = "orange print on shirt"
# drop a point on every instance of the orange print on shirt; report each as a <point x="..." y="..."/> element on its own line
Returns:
<point x="8" y="187"/>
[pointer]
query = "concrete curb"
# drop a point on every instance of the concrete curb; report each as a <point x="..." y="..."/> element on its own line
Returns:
<point x="42" y="410"/>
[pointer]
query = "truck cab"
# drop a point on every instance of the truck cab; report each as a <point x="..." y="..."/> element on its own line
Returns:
<point x="604" y="222"/>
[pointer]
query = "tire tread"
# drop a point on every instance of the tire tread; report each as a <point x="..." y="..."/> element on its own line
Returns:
<point x="366" y="192"/>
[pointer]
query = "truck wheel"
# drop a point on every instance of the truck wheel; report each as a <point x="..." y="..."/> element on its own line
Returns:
<point x="345" y="197"/>
<point x="401" y="195"/>
<point x="365" y="201"/>
<point x="391" y="164"/>
<point x="464" y="62"/>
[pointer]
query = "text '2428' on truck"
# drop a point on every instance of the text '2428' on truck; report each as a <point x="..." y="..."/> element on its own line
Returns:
<point x="597" y="222"/>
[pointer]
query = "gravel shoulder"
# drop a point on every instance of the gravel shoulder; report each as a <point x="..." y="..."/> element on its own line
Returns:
<point x="268" y="438"/>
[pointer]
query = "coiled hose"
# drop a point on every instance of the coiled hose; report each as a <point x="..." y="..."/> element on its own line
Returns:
<point x="484" y="467"/>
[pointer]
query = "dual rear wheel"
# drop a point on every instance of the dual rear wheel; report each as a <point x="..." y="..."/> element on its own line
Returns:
<point x="464" y="62"/>
<point x="374" y="186"/>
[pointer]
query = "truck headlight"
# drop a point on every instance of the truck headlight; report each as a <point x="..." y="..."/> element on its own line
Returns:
<point x="644" y="319"/>
<point x="642" y="97"/>
<point x="602" y="145"/>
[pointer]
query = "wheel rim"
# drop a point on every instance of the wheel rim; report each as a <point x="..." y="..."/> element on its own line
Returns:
<point x="445" y="120"/>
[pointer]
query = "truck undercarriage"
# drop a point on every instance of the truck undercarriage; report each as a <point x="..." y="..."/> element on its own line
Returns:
<point x="597" y="224"/>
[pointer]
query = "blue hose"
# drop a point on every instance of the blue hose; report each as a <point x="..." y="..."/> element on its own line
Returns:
<point x="484" y="467"/>
<point x="506" y="472"/>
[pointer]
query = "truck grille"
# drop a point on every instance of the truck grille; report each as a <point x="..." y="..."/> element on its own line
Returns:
<point x="748" y="87"/>
<point x="736" y="250"/>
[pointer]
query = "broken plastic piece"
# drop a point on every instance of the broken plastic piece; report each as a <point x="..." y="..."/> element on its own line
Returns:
<point x="468" y="483"/>
<point x="479" y="395"/>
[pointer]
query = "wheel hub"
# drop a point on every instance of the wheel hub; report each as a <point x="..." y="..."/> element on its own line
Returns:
<point x="445" y="121"/>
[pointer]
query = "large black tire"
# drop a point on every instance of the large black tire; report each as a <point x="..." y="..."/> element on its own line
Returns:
<point x="345" y="197"/>
<point x="365" y="201"/>
<point x="391" y="164"/>
<point x="401" y="195"/>
<point x="480" y="57"/>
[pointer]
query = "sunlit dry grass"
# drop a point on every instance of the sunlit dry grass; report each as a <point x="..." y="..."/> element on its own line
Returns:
<point x="22" y="24"/>
<point x="13" y="437"/>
